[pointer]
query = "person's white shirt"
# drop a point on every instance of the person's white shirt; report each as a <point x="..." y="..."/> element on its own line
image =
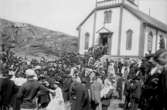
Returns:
<point x="19" y="81"/>
<point x="107" y="87"/>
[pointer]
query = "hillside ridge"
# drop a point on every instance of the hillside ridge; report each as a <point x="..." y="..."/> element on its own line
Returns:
<point x="34" y="41"/>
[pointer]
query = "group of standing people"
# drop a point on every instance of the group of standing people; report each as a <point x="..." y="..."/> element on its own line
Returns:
<point x="35" y="93"/>
<point x="146" y="86"/>
<point x="86" y="94"/>
<point x="142" y="83"/>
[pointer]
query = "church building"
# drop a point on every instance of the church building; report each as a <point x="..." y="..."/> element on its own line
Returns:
<point x="123" y="28"/>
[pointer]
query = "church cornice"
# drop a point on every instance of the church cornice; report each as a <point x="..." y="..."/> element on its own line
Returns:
<point x="97" y="9"/>
<point x="103" y="28"/>
<point x="133" y="3"/>
<point x="146" y="19"/>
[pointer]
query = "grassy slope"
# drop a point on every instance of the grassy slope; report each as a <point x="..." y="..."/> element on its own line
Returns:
<point x="30" y="40"/>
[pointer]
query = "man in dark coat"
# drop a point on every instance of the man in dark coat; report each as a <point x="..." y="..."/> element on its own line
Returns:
<point x="43" y="98"/>
<point x="127" y="94"/>
<point x="78" y="95"/>
<point x="135" y="95"/>
<point x="7" y="90"/>
<point x="86" y="96"/>
<point x="28" y="92"/>
<point x="66" y="87"/>
<point x="161" y="58"/>
<point x="155" y="88"/>
<point x="119" y="86"/>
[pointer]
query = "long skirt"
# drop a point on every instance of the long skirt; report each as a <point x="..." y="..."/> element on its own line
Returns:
<point x="55" y="105"/>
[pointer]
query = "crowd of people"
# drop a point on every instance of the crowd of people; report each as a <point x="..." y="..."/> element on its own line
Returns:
<point x="73" y="82"/>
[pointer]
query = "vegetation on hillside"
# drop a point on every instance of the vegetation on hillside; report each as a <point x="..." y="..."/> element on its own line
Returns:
<point x="29" y="40"/>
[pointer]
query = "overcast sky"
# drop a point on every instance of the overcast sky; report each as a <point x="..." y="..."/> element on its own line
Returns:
<point x="64" y="15"/>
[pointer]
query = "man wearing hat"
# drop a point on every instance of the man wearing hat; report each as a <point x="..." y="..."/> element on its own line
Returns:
<point x="28" y="92"/>
<point x="155" y="87"/>
<point x="161" y="58"/>
<point x="77" y="95"/>
<point x="119" y="86"/>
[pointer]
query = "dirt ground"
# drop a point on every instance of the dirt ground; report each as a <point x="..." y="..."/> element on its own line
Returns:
<point x="115" y="105"/>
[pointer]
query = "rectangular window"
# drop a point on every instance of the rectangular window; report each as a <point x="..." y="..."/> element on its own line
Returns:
<point x="107" y="16"/>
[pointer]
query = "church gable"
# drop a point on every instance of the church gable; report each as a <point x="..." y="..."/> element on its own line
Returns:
<point x="103" y="30"/>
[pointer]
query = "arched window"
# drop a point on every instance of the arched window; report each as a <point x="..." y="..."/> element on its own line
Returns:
<point x="162" y="42"/>
<point x="87" y="35"/>
<point x="129" y="35"/>
<point x="150" y="42"/>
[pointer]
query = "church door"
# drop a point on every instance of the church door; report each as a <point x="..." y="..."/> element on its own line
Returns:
<point x="106" y="41"/>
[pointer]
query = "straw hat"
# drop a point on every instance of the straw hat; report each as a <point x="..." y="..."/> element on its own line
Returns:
<point x="37" y="67"/>
<point x="30" y="73"/>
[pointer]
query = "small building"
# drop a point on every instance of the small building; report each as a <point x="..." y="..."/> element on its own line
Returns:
<point x="123" y="28"/>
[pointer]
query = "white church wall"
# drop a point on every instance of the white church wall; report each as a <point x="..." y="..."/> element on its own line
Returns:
<point x="129" y="21"/>
<point x="147" y="31"/>
<point x="86" y="27"/>
<point x="113" y="27"/>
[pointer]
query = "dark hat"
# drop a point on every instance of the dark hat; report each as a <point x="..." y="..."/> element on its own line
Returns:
<point x="158" y="53"/>
<point x="148" y="56"/>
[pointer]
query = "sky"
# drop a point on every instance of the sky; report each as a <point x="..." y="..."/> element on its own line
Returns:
<point x="158" y="8"/>
<point x="64" y="15"/>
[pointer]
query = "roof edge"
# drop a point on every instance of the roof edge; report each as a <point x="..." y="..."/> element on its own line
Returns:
<point x="145" y="21"/>
<point x="127" y="8"/>
<point x="96" y="9"/>
<point x="85" y="19"/>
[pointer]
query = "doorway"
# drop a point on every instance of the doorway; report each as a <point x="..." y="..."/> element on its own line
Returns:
<point x="106" y="41"/>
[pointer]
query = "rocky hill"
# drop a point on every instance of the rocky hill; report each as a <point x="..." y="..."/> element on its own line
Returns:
<point x="33" y="41"/>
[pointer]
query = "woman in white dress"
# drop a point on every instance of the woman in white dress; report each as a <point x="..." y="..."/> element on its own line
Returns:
<point x="106" y="94"/>
<point x="57" y="101"/>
